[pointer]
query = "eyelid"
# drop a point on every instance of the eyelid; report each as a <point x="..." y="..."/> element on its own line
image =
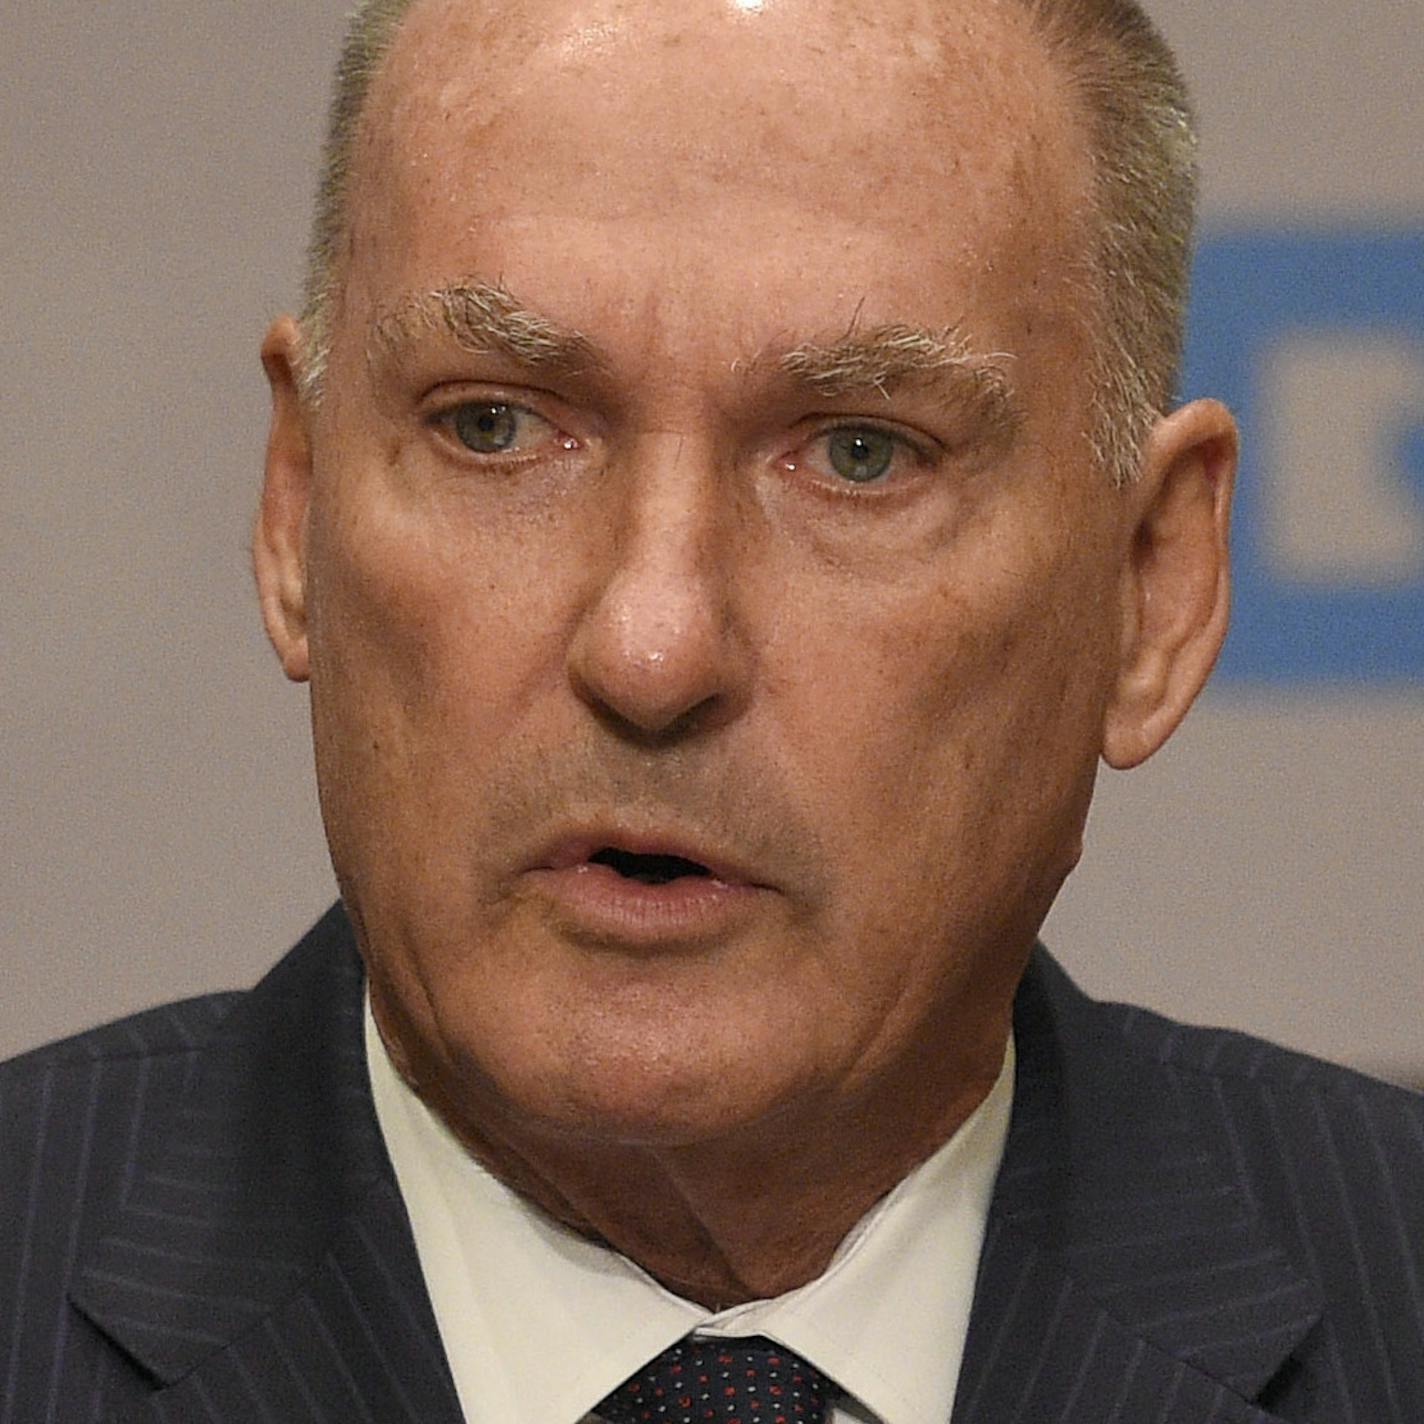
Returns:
<point x="450" y="395"/>
<point x="924" y="445"/>
<point x="448" y="406"/>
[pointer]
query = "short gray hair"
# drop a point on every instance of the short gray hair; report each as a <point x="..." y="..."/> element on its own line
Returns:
<point x="370" y="33"/>
<point x="1142" y="140"/>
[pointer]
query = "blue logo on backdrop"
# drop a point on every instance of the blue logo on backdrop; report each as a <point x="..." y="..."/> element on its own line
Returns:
<point x="1317" y="344"/>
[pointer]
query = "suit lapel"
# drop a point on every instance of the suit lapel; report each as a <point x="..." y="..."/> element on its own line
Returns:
<point x="263" y="1267"/>
<point x="354" y="1342"/>
<point x="1123" y="1277"/>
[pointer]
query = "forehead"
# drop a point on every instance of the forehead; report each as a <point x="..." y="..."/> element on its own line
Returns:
<point x="829" y="137"/>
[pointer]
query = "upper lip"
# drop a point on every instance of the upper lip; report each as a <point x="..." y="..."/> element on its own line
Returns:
<point x="574" y="847"/>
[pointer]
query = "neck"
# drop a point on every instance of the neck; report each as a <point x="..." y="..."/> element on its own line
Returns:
<point x="748" y="1215"/>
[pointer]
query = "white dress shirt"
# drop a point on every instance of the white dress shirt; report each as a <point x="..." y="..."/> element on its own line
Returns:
<point x="539" y="1324"/>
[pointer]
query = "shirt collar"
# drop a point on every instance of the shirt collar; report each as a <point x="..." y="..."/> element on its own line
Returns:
<point x="539" y="1324"/>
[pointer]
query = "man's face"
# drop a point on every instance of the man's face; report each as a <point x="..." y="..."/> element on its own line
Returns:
<point x="690" y="575"/>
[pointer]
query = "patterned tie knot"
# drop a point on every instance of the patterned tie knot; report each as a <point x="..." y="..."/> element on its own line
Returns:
<point x="751" y="1381"/>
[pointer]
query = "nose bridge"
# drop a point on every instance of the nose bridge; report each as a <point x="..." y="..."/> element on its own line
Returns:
<point x="672" y="511"/>
<point x="658" y="640"/>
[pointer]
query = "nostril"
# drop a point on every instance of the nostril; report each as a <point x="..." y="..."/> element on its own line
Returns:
<point x="650" y="869"/>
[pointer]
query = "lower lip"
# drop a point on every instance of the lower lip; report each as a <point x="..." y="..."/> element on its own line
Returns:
<point x="597" y="901"/>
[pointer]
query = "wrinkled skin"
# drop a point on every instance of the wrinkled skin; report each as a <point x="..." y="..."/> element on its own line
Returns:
<point x="667" y="611"/>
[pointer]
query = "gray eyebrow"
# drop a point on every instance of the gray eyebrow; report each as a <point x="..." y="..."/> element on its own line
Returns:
<point x="482" y="317"/>
<point x="887" y="357"/>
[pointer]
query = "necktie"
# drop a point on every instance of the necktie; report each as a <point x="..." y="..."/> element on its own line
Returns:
<point x="751" y="1381"/>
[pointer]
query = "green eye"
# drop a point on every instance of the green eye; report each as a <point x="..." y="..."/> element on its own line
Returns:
<point x="860" y="455"/>
<point x="486" y="429"/>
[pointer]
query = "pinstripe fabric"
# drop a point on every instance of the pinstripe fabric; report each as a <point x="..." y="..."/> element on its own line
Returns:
<point x="1119" y="1238"/>
<point x="198" y="1223"/>
<point x="210" y="1184"/>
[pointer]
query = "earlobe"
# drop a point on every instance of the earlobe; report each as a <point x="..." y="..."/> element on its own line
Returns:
<point x="1175" y="579"/>
<point x="279" y="536"/>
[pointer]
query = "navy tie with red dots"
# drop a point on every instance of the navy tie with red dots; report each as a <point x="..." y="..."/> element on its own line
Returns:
<point x="751" y="1381"/>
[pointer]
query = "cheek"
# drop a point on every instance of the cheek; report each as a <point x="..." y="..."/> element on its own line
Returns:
<point x="414" y="683"/>
<point x="958" y="729"/>
<point x="426" y="625"/>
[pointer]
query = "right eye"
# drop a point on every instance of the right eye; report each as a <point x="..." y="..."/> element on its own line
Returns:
<point x="494" y="428"/>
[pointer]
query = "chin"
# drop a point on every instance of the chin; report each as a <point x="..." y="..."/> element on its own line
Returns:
<point x="645" y="1089"/>
<point x="538" y="1037"/>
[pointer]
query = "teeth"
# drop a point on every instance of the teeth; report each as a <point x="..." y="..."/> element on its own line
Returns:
<point x="649" y="869"/>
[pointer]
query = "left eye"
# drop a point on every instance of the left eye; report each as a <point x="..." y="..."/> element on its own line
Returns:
<point x="858" y="455"/>
<point x="496" y="427"/>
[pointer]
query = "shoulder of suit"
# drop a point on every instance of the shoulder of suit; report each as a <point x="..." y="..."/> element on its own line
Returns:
<point x="1224" y="1054"/>
<point x="77" y="1115"/>
<point x="182" y="1027"/>
<point x="1299" y="1127"/>
<point x="1222" y="1064"/>
<point x="1228" y="1054"/>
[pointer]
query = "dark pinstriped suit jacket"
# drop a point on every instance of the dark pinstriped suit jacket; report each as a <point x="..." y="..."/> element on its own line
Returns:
<point x="198" y="1222"/>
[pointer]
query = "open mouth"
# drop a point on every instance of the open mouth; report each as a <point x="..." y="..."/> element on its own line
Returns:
<point x="648" y="891"/>
<point x="648" y="869"/>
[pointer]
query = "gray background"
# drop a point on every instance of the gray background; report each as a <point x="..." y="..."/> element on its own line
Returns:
<point x="1266" y="870"/>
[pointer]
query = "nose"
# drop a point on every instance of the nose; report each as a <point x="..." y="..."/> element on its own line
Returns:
<point x="658" y="651"/>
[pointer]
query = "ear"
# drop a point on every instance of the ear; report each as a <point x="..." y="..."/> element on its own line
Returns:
<point x="1175" y="581"/>
<point x="279" y="537"/>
